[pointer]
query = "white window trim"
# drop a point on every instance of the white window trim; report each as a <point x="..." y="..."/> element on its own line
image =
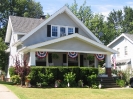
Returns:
<point x="71" y="27"/>
<point x="58" y="30"/>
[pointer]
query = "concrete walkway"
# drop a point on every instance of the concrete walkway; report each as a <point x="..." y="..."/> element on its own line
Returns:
<point x="5" y="93"/>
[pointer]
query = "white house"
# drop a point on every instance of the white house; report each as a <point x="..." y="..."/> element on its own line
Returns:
<point x="124" y="45"/>
<point x="52" y="39"/>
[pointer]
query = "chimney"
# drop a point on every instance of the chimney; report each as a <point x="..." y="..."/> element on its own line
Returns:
<point x="42" y="17"/>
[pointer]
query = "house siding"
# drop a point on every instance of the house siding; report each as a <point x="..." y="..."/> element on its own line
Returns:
<point x="121" y="43"/>
<point x="41" y="35"/>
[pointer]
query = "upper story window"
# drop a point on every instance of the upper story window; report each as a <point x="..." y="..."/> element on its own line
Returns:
<point x="70" y="30"/>
<point x="54" y="31"/>
<point x="118" y="49"/>
<point x="58" y="31"/>
<point x="125" y="49"/>
<point x="62" y="31"/>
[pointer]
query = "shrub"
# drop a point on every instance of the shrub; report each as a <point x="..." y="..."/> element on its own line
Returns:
<point x="12" y="71"/>
<point x="120" y="82"/>
<point x="15" y="79"/>
<point x="70" y="78"/>
<point x="92" y="80"/>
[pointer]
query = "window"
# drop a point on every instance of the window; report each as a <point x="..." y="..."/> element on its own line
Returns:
<point x="118" y="49"/>
<point x="70" y="30"/>
<point x="125" y="49"/>
<point x="54" y="31"/>
<point x="58" y="31"/>
<point x="62" y="31"/>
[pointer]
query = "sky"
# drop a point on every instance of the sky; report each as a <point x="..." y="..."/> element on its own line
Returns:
<point x="97" y="6"/>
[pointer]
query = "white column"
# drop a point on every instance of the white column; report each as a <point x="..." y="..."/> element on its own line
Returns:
<point x="79" y="59"/>
<point x="108" y="61"/>
<point x="47" y="64"/>
<point x="32" y="59"/>
<point x="96" y="62"/>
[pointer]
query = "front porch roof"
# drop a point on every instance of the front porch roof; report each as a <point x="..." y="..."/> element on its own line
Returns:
<point x="70" y="43"/>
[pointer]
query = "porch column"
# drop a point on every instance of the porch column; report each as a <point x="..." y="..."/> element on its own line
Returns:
<point x="32" y="59"/>
<point x="108" y="65"/>
<point x="47" y="64"/>
<point x="96" y="62"/>
<point x="79" y="59"/>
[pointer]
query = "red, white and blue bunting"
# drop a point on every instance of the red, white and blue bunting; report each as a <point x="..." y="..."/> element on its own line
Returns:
<point x="100" y="56"/>
<point x="72" y="54"/>
<point x="41" y="54"/>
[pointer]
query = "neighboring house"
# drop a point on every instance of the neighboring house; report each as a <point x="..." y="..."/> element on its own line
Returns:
<point x="54" y="37"/>
<point x="124" y="45"/>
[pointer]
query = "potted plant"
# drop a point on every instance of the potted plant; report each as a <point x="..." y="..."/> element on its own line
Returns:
<point x="27" y="81"/>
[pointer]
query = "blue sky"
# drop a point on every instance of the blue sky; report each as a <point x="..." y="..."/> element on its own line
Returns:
<point x="97" y="6"/>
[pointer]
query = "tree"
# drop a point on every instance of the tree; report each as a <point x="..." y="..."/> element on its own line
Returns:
<point x="22" y="69"/>
<point x="84" y="12"/>
<point x="3" y="55"/>
<point x="24" y="8"/>
<point x="128" y="20"/>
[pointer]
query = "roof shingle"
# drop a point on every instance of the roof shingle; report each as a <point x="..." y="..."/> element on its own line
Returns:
<point x="23" y="24"/>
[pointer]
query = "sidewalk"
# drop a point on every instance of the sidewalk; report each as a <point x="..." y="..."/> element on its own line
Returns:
<point x="5" y="93"/>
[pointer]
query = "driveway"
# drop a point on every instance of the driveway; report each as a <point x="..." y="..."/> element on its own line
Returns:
<point x="5" y="93"/>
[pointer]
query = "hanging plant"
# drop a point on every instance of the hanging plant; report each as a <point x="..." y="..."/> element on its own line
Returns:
<point x="55" y="56"/>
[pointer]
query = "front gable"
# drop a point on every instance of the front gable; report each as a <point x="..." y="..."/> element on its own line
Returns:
<point x="45" y="32"/>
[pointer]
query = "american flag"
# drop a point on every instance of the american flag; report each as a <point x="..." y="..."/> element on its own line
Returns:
<point x="114" y="60"/>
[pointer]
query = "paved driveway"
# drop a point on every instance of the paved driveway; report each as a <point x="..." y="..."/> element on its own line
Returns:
<point x="5" y="93"/>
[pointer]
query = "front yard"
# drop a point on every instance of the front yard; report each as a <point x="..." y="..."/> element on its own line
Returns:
<point x="70" y="93"/>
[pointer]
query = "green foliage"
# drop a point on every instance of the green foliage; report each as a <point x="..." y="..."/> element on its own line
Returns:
<point x="92" y="80"/>
<point x="15" y="79"/>
<point x="120" y="82"/>
<point x="70" y="77"/>
<point x="12" y="71"/>
<point x="46" y="76"/>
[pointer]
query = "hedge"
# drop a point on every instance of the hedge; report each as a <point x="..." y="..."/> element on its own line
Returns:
<point x="81" y="73"/>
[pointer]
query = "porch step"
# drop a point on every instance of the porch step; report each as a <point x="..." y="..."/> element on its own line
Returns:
<point x="108" y="82"/>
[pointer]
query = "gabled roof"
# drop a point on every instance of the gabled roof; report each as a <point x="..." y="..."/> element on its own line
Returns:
<point x="23" y="24"/>
<point x="125" y="35"/>
<point x="78" y="36"/>
<point x="71" y="15"/>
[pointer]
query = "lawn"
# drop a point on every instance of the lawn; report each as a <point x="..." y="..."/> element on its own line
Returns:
<point x="70" y="93"/>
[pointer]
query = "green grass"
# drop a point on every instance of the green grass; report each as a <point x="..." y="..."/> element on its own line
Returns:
<point x="70" y="93"/>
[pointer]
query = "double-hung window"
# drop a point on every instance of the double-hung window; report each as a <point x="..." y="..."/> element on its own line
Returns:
<point x="62" y="31"/>
<point x="54" y="31"/>
<point x="70" y="30"/>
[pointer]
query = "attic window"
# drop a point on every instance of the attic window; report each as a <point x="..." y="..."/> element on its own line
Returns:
<point x="59" y="31"/>
<point x="54" y="31"/>
<point x="70" y="30"/>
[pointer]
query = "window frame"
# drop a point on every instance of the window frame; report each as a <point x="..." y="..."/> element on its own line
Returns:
<point x="59" y="31"/>
<point x="52" y="30"/>
<point x="125" y="50"/>
<point x="68" y="30"/>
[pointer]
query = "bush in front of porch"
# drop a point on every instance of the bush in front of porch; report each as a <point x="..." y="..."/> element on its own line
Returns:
<point x="52" y="74"/>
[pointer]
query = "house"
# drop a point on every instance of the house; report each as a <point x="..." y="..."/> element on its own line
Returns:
<point x="60" y="40"/>
<point x="124" y="45"/>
